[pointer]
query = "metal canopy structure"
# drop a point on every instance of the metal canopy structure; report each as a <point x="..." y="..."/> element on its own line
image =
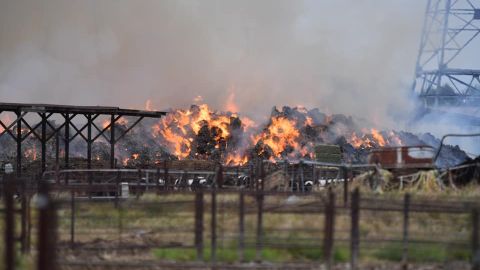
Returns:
<point x="449" y="39"/>
<point x="20" y="129"/>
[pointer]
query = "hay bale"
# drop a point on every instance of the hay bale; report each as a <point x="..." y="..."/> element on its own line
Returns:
<point x="276" y="181"/>
<point x="328" y="153"/>
<point x="376" y="180"/>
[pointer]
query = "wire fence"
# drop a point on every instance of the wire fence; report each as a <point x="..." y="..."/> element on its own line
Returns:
<point x="217" y="228"/>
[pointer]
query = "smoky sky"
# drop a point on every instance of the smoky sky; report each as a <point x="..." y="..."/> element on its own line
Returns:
<point x="354" y="57"/>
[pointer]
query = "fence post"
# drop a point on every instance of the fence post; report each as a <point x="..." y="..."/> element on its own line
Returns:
<point x="29" y="224"/>
<point x="251" y="178"/>
<point x="345" y="186"/>
<point x="138" y="183"/>
<point x="259" y="245"/>
<point x="302" y="180"/>
<point x="475" y="236"/>
<point x="329" y="229"/>
<point x="406" y="209"/>
<point x="199" y="224"/>
<point x="219" y="176"/>
<point x="241" y="227"/>
<point x="213" y="220"/>
<point x="165" y="175"/>
<point x="24" y="217"/>
<point x="9" y="190"/>
<point x="354" y="237"/>
<point x="47" y="231"/>
<point x="262" y="175"/>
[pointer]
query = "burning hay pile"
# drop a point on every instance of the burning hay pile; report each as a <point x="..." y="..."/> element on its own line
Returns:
<point x="200" y="133"/>
<point x="289" y="133"/>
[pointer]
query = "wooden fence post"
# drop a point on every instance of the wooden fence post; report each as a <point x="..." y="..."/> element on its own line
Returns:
<point x="355" y="233"/>
<point x="259" y="245"/>
<point x="118" y="177"/>
<point x="138" y="183"/>
<point x="24" y="217"/>
<point x="47" y="233"/>
<point x="219" y="177"/>
<point x="406" y="209"/>
<point x="329" y="229"/>
<point x="241" y="227"/>
<point x="9" y="190"/>
<point x="199" y="224"/>
<point x="345" y="186"/>
<point x="165" y="175"/>
<point x="213" y="227"/>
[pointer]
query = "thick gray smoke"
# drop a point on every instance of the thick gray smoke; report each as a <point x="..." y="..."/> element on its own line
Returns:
<point x="344" y="56"/>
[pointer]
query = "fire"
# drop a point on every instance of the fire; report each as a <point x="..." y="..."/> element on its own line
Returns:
<point x="179" y="128"/>
<point x="179" y="145"/>
<point x="121" y="121"/>
<point x="230" y="105"/>
<point x="280" y="134"/>
<point x="292" y="133"/>
<point x="134" y="156"/>
<point x="31" y="153"/>
<point x="236" y="159"/>
<point x="248" y="123"/>
<point x="355" y="141"/>
<point x="105" y="123"/>
<point x="6" y="120"/>
<point x="378" y="137"/>
<point x="373" y="138"/>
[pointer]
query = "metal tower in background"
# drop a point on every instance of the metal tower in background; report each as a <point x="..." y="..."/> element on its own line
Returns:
<point x="448" y="63"/>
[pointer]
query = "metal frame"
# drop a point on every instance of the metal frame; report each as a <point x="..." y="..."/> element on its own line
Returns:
<point x="449" y="27"/>
<point x="20" y="129"/>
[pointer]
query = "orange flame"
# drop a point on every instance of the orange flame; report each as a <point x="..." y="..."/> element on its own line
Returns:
<point x="378" y="137"/>
<point x="279" y="134"/>
<point x="236" y="159"/>
<point x="179" y="127"/>
<point x="6" y="120"/>
<point x="368" y="140"/>
<point x="230" y="105"/>
<point x="31" y="153"/>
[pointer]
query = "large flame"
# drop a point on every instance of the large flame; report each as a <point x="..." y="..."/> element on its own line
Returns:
<point x="180" y="128"/>
<point x="373" y="138"/>
<point x="292" y="133"/>
<point x="280" y="134"/>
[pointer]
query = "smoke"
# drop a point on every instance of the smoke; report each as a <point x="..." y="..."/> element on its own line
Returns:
<point x="344" y="56"/>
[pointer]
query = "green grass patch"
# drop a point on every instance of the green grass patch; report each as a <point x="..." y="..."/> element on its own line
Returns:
<point x="422" y="253"/>
<point x="341" y="254"/>
<point x="175" y="254"/>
